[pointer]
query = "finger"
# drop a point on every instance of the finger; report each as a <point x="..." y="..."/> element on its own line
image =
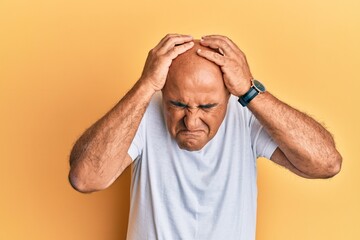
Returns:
<point x="176" y="51"/>
<point x="212" y="56"/>
<point x="215" y="36"/>
<point x="234" y="47"/>
<point x="173" y="41"/>
<point x="218" y="44"/>
<point x="167" y="36"/>
<point x="164" y="39"/>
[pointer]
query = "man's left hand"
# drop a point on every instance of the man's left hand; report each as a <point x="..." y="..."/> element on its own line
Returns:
<point x="232" y="61"/>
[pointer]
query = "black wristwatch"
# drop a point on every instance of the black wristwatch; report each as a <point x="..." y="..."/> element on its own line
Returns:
<point x="256" y="88"/>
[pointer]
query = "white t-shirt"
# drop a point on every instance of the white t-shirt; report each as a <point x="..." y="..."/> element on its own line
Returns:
<point x="200" y="195"/>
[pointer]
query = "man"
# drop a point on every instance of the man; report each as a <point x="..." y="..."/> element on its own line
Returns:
<point x="193" y="126"/>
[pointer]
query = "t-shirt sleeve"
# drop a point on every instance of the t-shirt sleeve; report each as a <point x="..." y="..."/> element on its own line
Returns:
<point x="263" y="145"/>
<point x="137" y="144"/>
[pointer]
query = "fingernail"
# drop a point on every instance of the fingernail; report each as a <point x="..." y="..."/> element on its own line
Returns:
<point x="221" y="51"/>
<point x="199" y="50"/>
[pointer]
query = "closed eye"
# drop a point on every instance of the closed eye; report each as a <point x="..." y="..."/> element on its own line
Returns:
<point x="208" y="106"/>
<point x="183" y="105"/>
<point x="178" y="104"/>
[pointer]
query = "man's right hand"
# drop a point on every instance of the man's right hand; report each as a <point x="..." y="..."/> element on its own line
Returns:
<point x="160" y="58"/>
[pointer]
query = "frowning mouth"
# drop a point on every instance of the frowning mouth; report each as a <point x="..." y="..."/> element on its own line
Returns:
<point x="191" y="133"/>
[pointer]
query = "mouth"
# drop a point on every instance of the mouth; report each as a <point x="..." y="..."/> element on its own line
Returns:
<point x="191" y="140"/>
<point x="189" y="133"/>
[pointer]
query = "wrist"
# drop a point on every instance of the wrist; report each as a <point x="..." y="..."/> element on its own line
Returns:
<point x="256" y="88"/>
<point x="147" y="85"/>
<point x="244" y="88"/>
<point x="146" y="88"/>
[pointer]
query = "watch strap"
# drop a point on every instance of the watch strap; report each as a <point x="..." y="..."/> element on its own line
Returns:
<point x="247" y="97"/>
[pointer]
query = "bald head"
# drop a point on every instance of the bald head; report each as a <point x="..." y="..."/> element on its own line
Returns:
<point x="190" y="64"/>
<point x="193" y="71"/>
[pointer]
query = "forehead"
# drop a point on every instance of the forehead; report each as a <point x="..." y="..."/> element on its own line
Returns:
<point x="199" y="86"/>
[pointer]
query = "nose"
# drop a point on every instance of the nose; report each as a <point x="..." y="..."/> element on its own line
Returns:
<point x="191" y="119"/>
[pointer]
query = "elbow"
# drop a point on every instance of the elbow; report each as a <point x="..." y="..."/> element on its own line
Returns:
<point x="78" y="185"/>
<point x="81" y="185"/>
<point x="335" y="165"/>
<point x="81" y="179"/>
<point x="331" y="166"/>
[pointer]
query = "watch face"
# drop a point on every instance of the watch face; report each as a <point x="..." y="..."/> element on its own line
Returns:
<point x="259" y="86"/>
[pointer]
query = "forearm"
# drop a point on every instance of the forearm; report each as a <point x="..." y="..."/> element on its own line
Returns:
<point x="307" y="144"/>
<point x="100" y="154"/>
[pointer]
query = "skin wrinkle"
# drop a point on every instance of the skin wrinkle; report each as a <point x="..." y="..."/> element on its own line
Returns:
<point x="194" y="82"/>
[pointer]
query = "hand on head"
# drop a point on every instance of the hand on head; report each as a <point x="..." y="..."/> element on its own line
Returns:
<point x="194" y="98"/>
<point x="217" y="49"/>
<point x="232" y="61"/>
<point x="196" y="77"/>
<point x="160" y="58"/>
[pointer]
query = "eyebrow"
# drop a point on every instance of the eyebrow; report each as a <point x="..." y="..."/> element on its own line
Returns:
<point x="183" y="105"/>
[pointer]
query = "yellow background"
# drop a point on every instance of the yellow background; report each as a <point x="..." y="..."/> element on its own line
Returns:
<point x="64" y="63"/>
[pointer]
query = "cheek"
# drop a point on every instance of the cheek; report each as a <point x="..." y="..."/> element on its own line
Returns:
<point x="212" y="124"/>
<point x="173" y="119"/>
<point x="214" y="120"/>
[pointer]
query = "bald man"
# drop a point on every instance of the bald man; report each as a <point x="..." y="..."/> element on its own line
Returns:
<point x="192" y="127"/>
